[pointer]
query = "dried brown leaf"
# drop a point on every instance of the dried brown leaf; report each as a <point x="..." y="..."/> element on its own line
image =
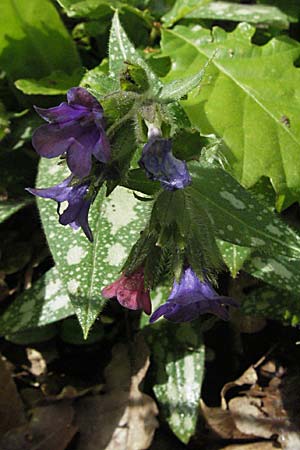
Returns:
<point x="11" y="406"/>
<point x="50" y="428"/>
<point x="248" y="377"/>
<point x="252" y="446"/>
<point x="220" y="422"/>
<point x="123" y="418"/>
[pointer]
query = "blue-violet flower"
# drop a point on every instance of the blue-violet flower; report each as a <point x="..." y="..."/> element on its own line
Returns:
<point x="190" y="298"/>
<point x="76" y="213"/>
<point x="77" y="128"/>
<point x="161" y="165"/>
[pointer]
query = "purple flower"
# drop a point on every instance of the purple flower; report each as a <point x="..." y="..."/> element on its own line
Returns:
<point x="192" y="297"/>
<point x="77" y="128"/>
<point x="161" y="165"/>
<point x="76" y="213"/>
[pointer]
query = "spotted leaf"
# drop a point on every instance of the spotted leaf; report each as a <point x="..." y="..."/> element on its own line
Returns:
<point x="86" y="268"/>
<point x="237" y="215"/>
<point x="45" y="302"/>
<point x="179" y="355"/>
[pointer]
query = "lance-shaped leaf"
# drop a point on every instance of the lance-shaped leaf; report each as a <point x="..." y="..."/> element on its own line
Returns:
<point x="45" y="302"/>
<point x="249" y="96"/>
<point x="237" y="216"/>
<point x="179" y="355"/>
<point x="234" y="256"/>
<point x="121" y="50"/>
<point x="86" y="268"/>
<point x="177" y="89"/>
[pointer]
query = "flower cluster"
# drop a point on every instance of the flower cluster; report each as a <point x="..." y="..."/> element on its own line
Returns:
<point x="189" y="298"/>
<point x="75" y="128"/>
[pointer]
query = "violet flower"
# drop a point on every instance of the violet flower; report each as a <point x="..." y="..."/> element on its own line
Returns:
<point x="76" y="214"/>
<point x="190" y="298"/>
<point x="77" y="128"/>
<point x="130" y="291"/>
<point x="161" y="165"/>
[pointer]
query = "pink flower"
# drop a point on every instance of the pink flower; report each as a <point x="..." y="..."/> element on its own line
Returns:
<point x="130" y="291"/>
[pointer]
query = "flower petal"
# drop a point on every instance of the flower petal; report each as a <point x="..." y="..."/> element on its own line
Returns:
<point x="59" y="192"/>
<point x="161" y="311"/>
<point x="79" y="159"/>
<point x="82" y="220"/>
<point x="101" y="149"/>
<point x="161" y="165"/>
<point x="61" y="113"/>
<point x="111" y="291"/>
<point x="51" y="140"/>
<point x="78" y="96"/>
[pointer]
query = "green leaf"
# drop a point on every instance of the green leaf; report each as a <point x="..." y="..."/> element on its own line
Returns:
<point x="269" y="15"/>
<point x="56" y="83"/>
<point x="33" y="40"/>
<point x="237" y="216"/>
<point x="45" y="302"/>
<point x="121" y="50"/>
<point x="92" y="9"/>
<point x="290" y="8"/>
<point x="273" y="304"/>
<point x="177" y="89"/>
<point x="234" y="256"/>
<point x="10" y="207"/>
<point x="259" y="125"/>
<point x="86" y="268"/>
<point x="180" y="9"/>
<point x="178" y="353"/>
<point x="283" y="273"/>
<point x="4" y="121"/>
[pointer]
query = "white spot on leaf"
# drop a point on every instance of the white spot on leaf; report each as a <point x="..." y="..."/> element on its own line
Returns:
<point x="75" y="255"/>
<point x="235" y="202"/>
<point x="116" y="254"/>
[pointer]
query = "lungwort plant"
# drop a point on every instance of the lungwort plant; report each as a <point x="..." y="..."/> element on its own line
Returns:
<point x="159" y="171"/>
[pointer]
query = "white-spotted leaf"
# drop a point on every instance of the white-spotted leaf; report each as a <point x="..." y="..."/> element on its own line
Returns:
<point x="121" y="50"/>
<point x="86" y="268"/>
<point x="233" y="255"/>
<point x="45" y="302"/>
<point x="179" y="353"/>
<point x="237" y="215"/>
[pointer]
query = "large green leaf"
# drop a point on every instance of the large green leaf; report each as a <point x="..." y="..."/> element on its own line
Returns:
<point x="249" y="96"/>
<point x="45" y="302"/>
<point x="237" y="216"/>
<point x="56" y="83"/>
<point x="180" y="9"/>
<point x="179" y="354"/>
<point x="265" y="14"/>
<point x="33" y="40"/>
<point x="86" y="268"/>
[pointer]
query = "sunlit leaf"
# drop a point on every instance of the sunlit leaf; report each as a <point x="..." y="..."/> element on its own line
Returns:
<point x="249" y="97"/>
